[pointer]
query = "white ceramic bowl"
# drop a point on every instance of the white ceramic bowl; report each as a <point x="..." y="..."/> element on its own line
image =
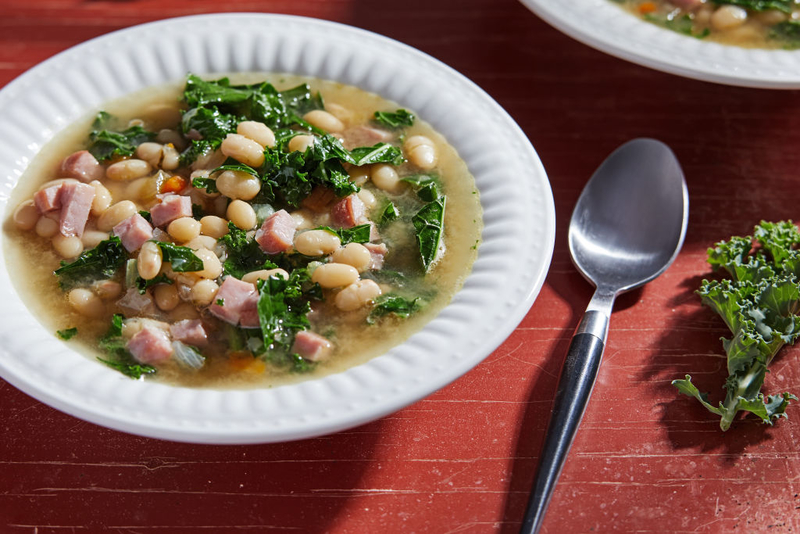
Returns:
<point x="605" y="26"/>
<point x="510" y="269"/>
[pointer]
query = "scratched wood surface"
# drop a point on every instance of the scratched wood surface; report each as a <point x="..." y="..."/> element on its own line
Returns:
<point x="463" y="459"/>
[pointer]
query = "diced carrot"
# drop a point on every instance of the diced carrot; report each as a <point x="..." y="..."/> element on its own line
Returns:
<point x="244" y="362"/>
<point x="647" y="7"/>
<point x="175" y="184"/>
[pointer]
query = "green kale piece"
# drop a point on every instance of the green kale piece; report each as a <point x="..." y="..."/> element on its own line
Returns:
<point x="67" y="334"/>
<point x="388" y="213"/>
<point x="429" y="226"/>
<point x="787" y="32"/>
<point x="106" y="144"/>
<point x="243" y="254"/>
<point x="397" y="119"/>
<point x="283" y="309"/>
<point x="390" y="303"/>
<point x="356" y="234"/>
<point x="181" y="258"/>
<point x="683" y="24"/>
<point x="100" y="263"/>
<point x="759" y="305"/>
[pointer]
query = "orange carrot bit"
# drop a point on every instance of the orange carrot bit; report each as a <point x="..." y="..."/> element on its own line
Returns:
<point x="174" y="184"/>
<point x="647" y="7"/>
<point x="244" y="362"/>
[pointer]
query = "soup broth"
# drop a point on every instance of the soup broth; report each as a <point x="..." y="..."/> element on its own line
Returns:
<point x="344" y="231"/>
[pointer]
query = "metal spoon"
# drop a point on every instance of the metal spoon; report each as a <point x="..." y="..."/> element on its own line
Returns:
<point x="627" y="227"/>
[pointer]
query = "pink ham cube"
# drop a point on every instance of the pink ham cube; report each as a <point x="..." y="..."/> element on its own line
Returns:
<point x="349" y="212"/>
<point x="76" y="203"/>
<point x="276" y="235"/>
<point x="189" y="331"/>
<point x="133" y="232"/>
<point x="233" y="299"/>
<point x="82" y="166"/>
<point x="150" y="345"/>
<point x="48" y="199"/>
<point x="311" y="346"/>
<point x="172" y="207"/>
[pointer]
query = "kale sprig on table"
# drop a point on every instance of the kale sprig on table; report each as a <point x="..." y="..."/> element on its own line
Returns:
<point x="759" y="304"/>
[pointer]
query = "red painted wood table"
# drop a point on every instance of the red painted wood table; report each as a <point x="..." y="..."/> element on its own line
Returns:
<point x="462" y="460"/>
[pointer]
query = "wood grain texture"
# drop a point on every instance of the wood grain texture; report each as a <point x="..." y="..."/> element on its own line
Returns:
<point x="462" y="460"/>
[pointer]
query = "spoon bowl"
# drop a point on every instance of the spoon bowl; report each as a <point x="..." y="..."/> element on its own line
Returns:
<point x="627" y="227"/>
<point x="629" y="222"/>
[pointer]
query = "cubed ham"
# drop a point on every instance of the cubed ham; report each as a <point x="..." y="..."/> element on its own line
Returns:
<point x="349" y="212"/>
<point x="172" y="207"/>
<point x="189" y="331"/>
<point x="82" y="166"/>
<point x="133" y="232"/>
<point x="236" y="298"/>
<point x="150" y="345"/>
<point x="137" y="304"/>
<point x="249" y="317"/>
<point x="311" y="346"/>
<point x="276" y="235"/>
<point x="76" y="203"/>
<point x="377" y="252"/>
<point x="320" y="199"/>
<point x="364" y="136"/>
<point x="48" y="199"/>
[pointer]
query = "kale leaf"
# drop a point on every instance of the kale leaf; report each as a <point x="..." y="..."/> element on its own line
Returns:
<point x="181" y="258"/>
<point x="67" y="334"/>
<point x="282" y="309"/>
<point x="106" y="144"/>
<point x="429" y="226"/>
<point x="788" y="32"/>
<point x="243" y="254"/>
<point x="100" y="263"/>
<point x="390" y="303"/>
<point x="398" y="119"/>
<point x="759" y="304"/>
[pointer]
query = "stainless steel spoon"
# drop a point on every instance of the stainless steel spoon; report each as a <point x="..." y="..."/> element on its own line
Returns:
<point x="627" y="227"/>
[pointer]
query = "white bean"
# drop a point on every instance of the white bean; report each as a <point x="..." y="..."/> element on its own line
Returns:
<point x="356" y="295"/>
<point x="367" y="198"/>
<point x="67" y="247"/>
<point x="201" y="241"/>
<point x="107" y="289"/>
<point x="241" y="214"/>
<point x="128" y="169"/>
<point x="150" y="152"/>
<point x="258" y="132"/>
<point x="212" y="267"/>
<point x="254" y="276"/>
<point x="359" y="175"/>
<point x="728" y="17"/>
<point x="166" y="296"/>
<point x="92" y="238"/>
<point x="213" y="226"/>
<point x="330" y="275"/>
<point x="385" y="177"/>
<point x="203" y="292"/>
<point x="301" y="143"/>
<point x="26" y="215"/>
<point x="184" y="310"/>
<point x="171" y="158"/>
<point x="354" y="254"/>
<point x="167" y="136"/>
<point x="86" y="303"/>
<point x="303" y="219"/>
<point x="102" y="198"/>
<point x="115" y="214"/>
<point x="316" y="243"/>
<point x="238" y="185"/>
<point x="243" y="150"/>
<point x="184" y="229"/>
<point x="324" y="121"/>
<point x="149" y="261"/>
<point x="46" y="227"/>
<point x="420" y="151"/>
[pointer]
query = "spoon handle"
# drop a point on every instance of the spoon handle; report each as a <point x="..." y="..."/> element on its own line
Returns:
<point x="574" y="389"/>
